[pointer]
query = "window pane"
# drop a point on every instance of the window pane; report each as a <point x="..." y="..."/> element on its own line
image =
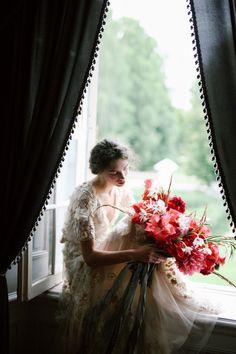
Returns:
<point x="65" y="186"/>
<point x="60" y="217"/>
<point x="67" y="178"/>
<point x="43" y="245"/>
<point x="12" y="279"/>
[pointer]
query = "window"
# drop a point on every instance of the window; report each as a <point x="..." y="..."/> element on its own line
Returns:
<point x="154" y="105"/>
<point x="144" y="100"/>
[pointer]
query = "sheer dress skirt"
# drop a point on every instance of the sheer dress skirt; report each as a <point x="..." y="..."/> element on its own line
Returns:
<point x="175" y="315"/>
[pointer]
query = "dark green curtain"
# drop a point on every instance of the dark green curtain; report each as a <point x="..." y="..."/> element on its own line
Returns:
<point x="47" y="49"/>
<point x="214" y="39"/>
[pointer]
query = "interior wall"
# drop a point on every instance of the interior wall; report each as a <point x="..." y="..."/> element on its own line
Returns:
<point x="33" y="327"/>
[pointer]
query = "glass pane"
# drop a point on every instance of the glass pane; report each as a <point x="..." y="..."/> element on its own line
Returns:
<point x="43" y="245"/>
<point x="64" y="188"/>
<point x="12" y="279"/>
<point x="67" y="178"/>
<point x="60" y="217"/>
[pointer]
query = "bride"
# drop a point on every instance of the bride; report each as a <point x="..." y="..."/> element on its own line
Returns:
<point x="98" y="243"/>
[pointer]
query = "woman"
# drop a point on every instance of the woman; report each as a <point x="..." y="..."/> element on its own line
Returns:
<point x="95" y="251"/>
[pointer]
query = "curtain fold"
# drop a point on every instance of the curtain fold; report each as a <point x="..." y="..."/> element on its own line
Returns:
<point x="214" y="30"/>
<point x="47" y="52"/>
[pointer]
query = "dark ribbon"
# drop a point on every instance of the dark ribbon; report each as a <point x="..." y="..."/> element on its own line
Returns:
<point x="115" y="327"/>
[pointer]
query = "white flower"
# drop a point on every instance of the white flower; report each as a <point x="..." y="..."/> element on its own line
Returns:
<point x="153" y="192"/>
<point x="143" y="215"/>
<point x="198" y="242"/>
<point x="184" y="223"/>
<point x="187" y="249"/>
<point x="208" y="251"/>
<point x="158" y="206"/>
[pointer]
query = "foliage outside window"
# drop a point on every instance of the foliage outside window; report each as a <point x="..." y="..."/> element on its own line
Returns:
<point x="143" y="116"/>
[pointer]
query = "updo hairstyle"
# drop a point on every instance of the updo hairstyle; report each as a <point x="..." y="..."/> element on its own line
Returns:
<point x="104" y="152"/>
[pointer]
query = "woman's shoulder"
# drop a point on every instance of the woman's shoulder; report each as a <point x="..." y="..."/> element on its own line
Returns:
<point x="83" y="189"/>
<point x="83" y="194"/>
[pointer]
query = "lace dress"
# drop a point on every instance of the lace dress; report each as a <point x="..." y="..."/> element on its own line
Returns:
<point x="174" y="312"/>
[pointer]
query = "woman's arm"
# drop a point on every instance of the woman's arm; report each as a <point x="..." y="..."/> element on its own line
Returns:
<point x="96" y="258"/>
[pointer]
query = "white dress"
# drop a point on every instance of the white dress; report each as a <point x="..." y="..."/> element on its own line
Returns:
<point x="174" y="314"/>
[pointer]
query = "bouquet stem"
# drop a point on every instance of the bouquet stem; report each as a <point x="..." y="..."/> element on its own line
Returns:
<point x="225" y="279"/>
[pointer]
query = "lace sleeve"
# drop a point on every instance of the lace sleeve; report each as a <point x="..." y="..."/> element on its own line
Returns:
<point x="79" y="225"/>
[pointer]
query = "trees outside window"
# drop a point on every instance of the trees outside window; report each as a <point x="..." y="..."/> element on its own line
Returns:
<point x="135" y="106"/>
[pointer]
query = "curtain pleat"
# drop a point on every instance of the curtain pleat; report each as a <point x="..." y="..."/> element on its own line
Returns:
<point x="214" y="31"/>
<point x="47" y="49"/>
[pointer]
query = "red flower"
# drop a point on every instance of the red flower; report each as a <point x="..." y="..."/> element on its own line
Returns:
<point x="188" y="261"/>
<point x="212" y="259"/>
<point x="138" y="206"/>
<point x="191" y="263"/>
<point x="177" y="203"/>
<point x="141" y="214"/>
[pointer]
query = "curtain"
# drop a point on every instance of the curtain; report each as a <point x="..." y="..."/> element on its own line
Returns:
<point x="214" y="41"/>
<point x="47" y="56"/>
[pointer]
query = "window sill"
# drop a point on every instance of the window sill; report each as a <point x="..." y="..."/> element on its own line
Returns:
<point x="225" y="296"/>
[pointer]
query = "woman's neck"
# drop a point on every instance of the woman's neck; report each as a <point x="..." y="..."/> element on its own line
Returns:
<point x="102" y="186"/>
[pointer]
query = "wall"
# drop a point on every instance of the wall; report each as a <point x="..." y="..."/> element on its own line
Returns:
<point x="33" y="327"/>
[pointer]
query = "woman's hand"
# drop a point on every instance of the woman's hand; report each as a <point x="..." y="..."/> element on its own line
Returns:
<point x="147" y="254"/>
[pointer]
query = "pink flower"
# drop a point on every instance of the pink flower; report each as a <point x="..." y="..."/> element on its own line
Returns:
<point x="162" y="226"/>
<point x="148" y="183"/>
<point x="153" y="225"/>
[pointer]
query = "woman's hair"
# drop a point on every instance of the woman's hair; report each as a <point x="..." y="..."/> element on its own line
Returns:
<point x="104" y="152"/>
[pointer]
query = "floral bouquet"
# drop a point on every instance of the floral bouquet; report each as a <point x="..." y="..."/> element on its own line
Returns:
<point x="178" y="234"/>
<point x="165" y="222"/>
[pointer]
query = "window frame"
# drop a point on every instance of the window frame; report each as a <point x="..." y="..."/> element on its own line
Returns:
<point x="86" y="137"/>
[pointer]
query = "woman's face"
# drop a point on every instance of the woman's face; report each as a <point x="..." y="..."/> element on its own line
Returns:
<point x="116" y="173"/>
